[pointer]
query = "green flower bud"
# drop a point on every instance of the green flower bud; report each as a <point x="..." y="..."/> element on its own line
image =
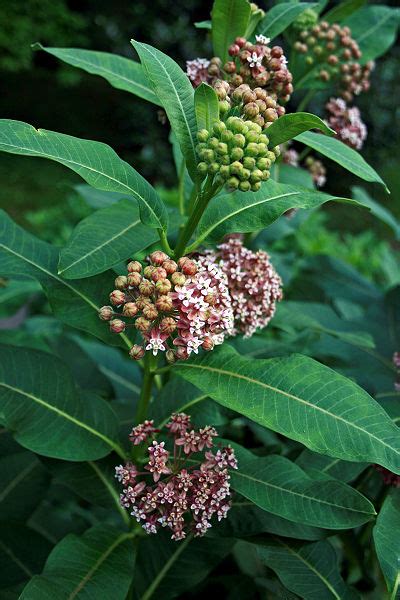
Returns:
<point x="251" y="149"/>
<point x="251" y="136"/>
<point x="256" y="176"/>
<point x="236" y="168"/>
<point x="213" y="142"/>
<point x="224" y="106"/>
<point x="213" y="168"/>
<point x="266" y="175"/>
<point x="207" y="155"/>
<point x="225" y="159"/>
<point x="222" y="148"/>
<point x="232" y="183"/>
<point x="271" y="156"/>
<point x="245" y="186"/>
<point x="202" y="168"/>
<point x="219" y="127"/>
<point x="277" y="151"/>
<point x="263" y="139"/>
<point x="224" y="171"/>
<point x="244" y="174"/>
<point x="200" y="147"/>
<point x="255" y="186"/>
<point x="227" y="136"/>
<point x="203" y="135"/>
<point x="254" y="126"/>
<point x="263" y="163"/>
<point x="237" y="125"/>
<point x="239" y="140"/>
<point x="249" y="162"/>
<point x="236" y="154"/>
<point x="262" y="150"/>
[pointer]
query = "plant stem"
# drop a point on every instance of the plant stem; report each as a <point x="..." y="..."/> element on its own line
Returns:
<point x="182" y="188"/>
<point x="145" y="393"/>
<point x="164" y="242"/>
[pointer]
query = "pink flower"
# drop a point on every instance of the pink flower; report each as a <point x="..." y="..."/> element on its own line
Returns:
<point x="141" y="432"/>
<point x="155" y="341"/>
<point x="197" y="71"/>
<point x="179" y="423"/>
<point x="347" y="123"/>
<point x="157" y="464"/>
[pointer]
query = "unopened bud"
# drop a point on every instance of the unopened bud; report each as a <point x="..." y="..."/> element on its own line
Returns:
<point x="121" y="282"/>
<point x="117" y="297"/>
<point x="148" y="271"/>
<point x="134" y="267"/>
<point x="208" y="344"/>
<point x="136" y="352"/>
<point x="178" y="279"/>
<point x="159" y="274"/>
<point x="163" y="286"/>
<point x="146" y="287"/>
<point x="117" y="326"/>
<point x="158" y="257"/>
<point x="106" y="313"/>
<point x="142" y="324"/>
<point x="130" y="309"/>
<point x="134" y="279"/>
<point x="203" y="135"/>
<point x="150" y="312"/>
<point x="189" y="268"/>
<point x="164" y="303"/>
<point x="181" y="353"/>
<point x="167" y="325"/>
<point x="234" y="50"/>
<point x="142" y="301"/>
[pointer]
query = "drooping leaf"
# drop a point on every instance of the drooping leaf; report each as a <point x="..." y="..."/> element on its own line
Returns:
<point x="387" y="541"/>
<point x="97" y="198"/>
<point x="343" y="470"/>
<point x="122" y="73"/>
<point x="95" y="162"/>
<point x="301" y="399"/>
<point x="341" y="154"/>
<point x="280" y="17"/>
<point x="45" y="411"/>
<point x="281" y="487"/>
<point x="229" y="20"/>
<point x="23" y="481"/>
<point x="377" y="209"/>
<point x="75" y="303"/>
<point x="309" y="570"/>
<point x="176" y="94"/>
<point x="343" y="10"/>
<point x="374" y="28"/>
<point x="206" y="106"/>
<point x="243" y="212"/>
<point x="288" y="126"/>
<point x="103" y="239"/>
<point x="98" y="564"/>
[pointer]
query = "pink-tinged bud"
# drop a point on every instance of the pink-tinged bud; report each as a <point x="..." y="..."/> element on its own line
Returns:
<point x="106" y="313"/>
<point x="121" y="282"/>
<point x="189" y="268"/>
<point x="148" y="271"/>
<point x="134" y="279"/>
<point x="178" y="279"/>
<point x="164" y="286"/>
<point x="276" y="52"/>
<point x="157" y="258"/>
<point x="142" y="324"/>
<point x="146" y="287"/>
<point x="136" y="352"/>
<point x="234" y="50"/>
<point x="130" y="309"/>
<point x="168" y="325"/>
<point x="150" y="312"/>
<point x="159" y="274"/>
<point x="229" y="67"/>
<point x="142" y="301"/>
<point x="117" y="326"/>
<point x="117" y="297"/>
<point x="170" y="356"/>
<point x="164" y="303"/>
<point x="208" y="344"/>
<point x="134" y="267"/>
<point x="181" y="353"/>
<point x="240" y="41"/>
<point x="170" y="266"/>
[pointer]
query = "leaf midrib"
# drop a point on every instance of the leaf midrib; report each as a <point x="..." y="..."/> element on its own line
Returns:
<point x="17" y="479"/>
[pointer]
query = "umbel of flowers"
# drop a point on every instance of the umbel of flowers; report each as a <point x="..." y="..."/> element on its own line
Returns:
<point x="331" y="48"/>
<point x="183" y="483"/>
<point x="347" y="123"/>
<point x="236" y="154"/>
<point x="180" y="307"/>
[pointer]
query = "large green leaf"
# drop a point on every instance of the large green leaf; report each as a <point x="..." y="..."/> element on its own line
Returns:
<point x="343" y="10"/>
<point x="176" y="95"/>
<point x="229" y="19"/>
<point x="23" y="481"/>
<point x="280" y="17"/>
<point x="309" y="570"/>
<point x="206" y="106"/>
<point x="281" y="487"/>
<point x="76" y="303"/>
<point x="103" y="239"/>
<point x="378" y="210"/>
<point x="244" y="212"/>
<point x="301" y="399"/>
<point x="387" y="542"/>
<point x="122" y="73"/>
<point x="98" y="565"/>
<point x="45" y="411"/>
<point x="343" y="470"/>
<point x="95" y="162"/>
<point x="341" y="154"/>
<point x="374" y="28"/>
<point x="287" y="127"/>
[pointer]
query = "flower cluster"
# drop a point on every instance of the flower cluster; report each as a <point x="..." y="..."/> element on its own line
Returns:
<point x="331" y="47"/>
<point x="197" y="71"/>
<point x="317" y="170"/>
<point x="347" y="123"/>
<point x="257" y="105"/>
<point x="236" y="153"/>
<point x="186" y="304"/>
<point x="305" y="20"/>
<point x="172" y="494"/>
<point x="254" y="285"/>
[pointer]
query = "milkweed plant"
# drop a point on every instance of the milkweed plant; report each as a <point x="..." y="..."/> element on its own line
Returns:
<point x="198" y="425"/>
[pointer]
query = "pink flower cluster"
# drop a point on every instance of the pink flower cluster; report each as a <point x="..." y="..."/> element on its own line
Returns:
<point x="197" y="71"/>
<point x="346" y="122"/>
<point x="174" y="495"/>
<point x="254" y="285"/>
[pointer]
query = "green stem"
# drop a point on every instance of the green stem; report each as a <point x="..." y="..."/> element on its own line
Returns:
<point x="304" y="153"/>
<point x="145" y="392"/>
<point x="306" y="99"/>
<point x="182" y="188"/>
<point x="164" y="242"/>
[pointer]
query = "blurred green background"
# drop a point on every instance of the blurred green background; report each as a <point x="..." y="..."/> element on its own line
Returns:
<point x="49" y="94"/>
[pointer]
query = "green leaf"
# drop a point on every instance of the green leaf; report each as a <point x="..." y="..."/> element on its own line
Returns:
<point x="309" y="570"/>
<point x="95" y="162"/>
<point x="99" y="564"/>
<point x="302" y="399"/>
<point x="244" y="212"/>
<point x="287" y="127"/>
<point x="374" y="28"/>
<point x="280" y="17"/>
<point x="296" y="176"/>
<point x="281" y="487"/>
<point x="47" y="414"/>
<point x="77" y="303"/>
<point x="104" y="239"/>
<point x="122" y="73"/>
<point x="206" y="106"/>
<point x="176" y="94"/>
<point x="23" y="481"/>
<point x="343" y="10"/>
<point x="203" y="25"/>
<point x="377" y="209"/>
<point x="341" y="154"/>
<point x="229" y="20"/>
<point x="96" y="198"/>
<point x="387" y="542"/>
<point x="334" y="467"/>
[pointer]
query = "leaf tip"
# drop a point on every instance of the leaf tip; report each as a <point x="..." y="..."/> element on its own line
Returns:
<point x="37" y="46"/>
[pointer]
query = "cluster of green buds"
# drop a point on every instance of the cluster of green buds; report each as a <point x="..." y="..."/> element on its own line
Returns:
<point x="335" y="55"/>
<point x="236" y="154"/>
<point x="305" y="20"/>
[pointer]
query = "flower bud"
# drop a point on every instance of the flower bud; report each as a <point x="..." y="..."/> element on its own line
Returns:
<point x="168" y="325"/>
<point x="158" y="257"/>
<point x="244" y="186"/>
<point x="203" y="135"/>
<point x="189" y="268"/>
<point x="148" y="271"/>
<point x="178" y="279"/>
<point x="170" y="356"/>
<point x="117" y="326"/>
<point x="229" y="67"/>
<point x="106" y="313"/>
<point x="117" y="297"/>
<point x="163" y="286"/>
<point x="164" y="303"/>
<point x="208" y="344"/>
<point x="234" y="50"/>
<point x="142" y="324"/>
<point x="181" y="353"/>
<point x="130" y="309"/>
<point x="159" y="274"/>
<point x="232" y="183"/>
<point x="146" y="287"/>
<point x="150" y="312"/>
<point x="121" y="282"/>
<point x="136" y="352"/>
<point x="237" y="154"/>
<point x="142" y="301"/>
<point x="202" y="168"/>
<point x="134" y="279"/>
<point x="134" y="267"/>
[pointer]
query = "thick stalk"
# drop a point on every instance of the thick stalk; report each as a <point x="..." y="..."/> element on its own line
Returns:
<point x="145" y="393"/>
<point x="164" y="242"/>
